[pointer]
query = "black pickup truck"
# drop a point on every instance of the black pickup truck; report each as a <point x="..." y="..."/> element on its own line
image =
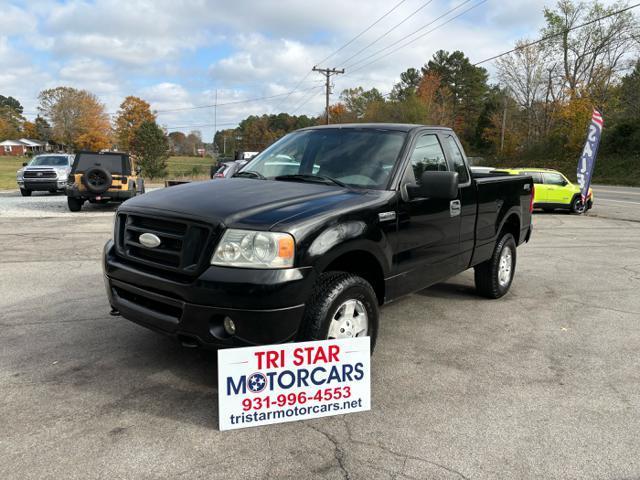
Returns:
<point x="313" y="235"/>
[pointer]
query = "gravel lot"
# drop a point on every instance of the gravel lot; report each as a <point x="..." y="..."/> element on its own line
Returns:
<point x="544" y="383"/>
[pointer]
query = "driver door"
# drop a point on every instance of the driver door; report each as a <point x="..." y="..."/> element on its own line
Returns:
<point x="428" y="228"/>
<point x="556" y="191"/>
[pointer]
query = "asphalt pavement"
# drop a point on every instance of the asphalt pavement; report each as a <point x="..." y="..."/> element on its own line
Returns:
<point x="544" y="383"/>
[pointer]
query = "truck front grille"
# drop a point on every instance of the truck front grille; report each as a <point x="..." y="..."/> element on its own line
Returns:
<point x="39" y="174"/>
<point x="184" y="245"/>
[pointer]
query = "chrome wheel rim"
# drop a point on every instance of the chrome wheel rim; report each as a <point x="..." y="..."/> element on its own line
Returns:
<point x="580" y="207"/>
<point x="349" y="321"/>
<point x="505" y="266"/>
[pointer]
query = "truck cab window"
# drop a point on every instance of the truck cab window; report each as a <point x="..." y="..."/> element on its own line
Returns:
<point x="427" y="156"/>
<point x="458" y="160"/>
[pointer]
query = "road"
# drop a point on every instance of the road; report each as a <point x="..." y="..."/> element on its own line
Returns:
<point x="621" y="202"/>
<point x="544" y="383"/>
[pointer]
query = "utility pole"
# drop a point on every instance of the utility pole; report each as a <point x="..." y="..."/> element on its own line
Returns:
<point x="327" y="72"/>
<point x="215" y="120"/>
<point x="504" y="124"/>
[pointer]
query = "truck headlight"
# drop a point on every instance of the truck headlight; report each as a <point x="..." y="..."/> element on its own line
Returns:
<point x="249" y="249"/>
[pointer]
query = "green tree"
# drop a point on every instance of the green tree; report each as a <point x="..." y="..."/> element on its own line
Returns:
<point x="590" y="57"/>
<point x="407" y="86"/>
<point x="151" y="147"/>
<point x="468" y="87"/>
<point x="358" y="100"/>
<point x="11" y="118"/>
<point x="43" y="129"/>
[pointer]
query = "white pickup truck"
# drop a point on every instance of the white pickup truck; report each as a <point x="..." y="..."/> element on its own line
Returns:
<point x="46" y="172"/>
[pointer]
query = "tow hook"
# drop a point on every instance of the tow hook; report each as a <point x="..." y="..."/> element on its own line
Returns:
<point x="114" y="312"/>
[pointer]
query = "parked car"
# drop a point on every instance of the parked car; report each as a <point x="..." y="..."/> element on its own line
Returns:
<point x="265" y="257"/>
<point x="101" y="177"/>
<point x="228" y="169"/>
<point x="554" y="191"/>
<point x="47" y="173"/>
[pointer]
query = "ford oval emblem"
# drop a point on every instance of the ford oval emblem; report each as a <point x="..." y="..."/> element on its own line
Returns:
<point x="149" y="240"/>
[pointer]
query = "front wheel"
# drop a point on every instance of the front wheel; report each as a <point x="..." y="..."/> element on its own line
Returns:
<point x="75" y="204"/>
<point x="25" y="193"/>
<point x="493" y="277"/>
<point x="577" y="206"/>
<point x="342" y="305"/>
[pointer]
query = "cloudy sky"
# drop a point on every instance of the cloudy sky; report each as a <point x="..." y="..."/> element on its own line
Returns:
<point x="177" y="54"/>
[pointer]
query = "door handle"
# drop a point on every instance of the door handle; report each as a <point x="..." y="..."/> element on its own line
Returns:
<point x="454" y="208"/>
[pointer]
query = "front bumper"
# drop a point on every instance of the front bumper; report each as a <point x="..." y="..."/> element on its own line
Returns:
<point x="266" y="306"/>
<point x="42" y="185"/>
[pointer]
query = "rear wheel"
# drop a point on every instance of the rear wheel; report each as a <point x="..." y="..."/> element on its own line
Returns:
<point x="342" y="305"/>
<point x="25" y="193"/>
<point x="75" y="204"/>
<point x="493" y="277"/>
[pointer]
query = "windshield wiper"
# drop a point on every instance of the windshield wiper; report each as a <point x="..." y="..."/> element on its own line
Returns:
<point x="250" y="174"/>
<point x="312" y="178"/>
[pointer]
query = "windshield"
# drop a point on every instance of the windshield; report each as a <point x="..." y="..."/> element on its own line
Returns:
<point x="356" y="157"/>
<point x="112" y="162"/>
<point x="50" y="161"/>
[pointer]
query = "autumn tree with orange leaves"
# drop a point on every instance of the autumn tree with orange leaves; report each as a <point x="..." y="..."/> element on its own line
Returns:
<point x="133" y="112"/>
<point x="78" y="119"/>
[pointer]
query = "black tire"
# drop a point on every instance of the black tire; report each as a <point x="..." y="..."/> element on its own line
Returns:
<point x="75" y="204"/>
<point x="577" y="207"/>
<point x="140" y="186"/>
<point x="53" y="191"/>
<point x="486" y="274"/>
<point x="25" y="193"/>
<point x="331" y="290"/>
<point x="97" y="180"/>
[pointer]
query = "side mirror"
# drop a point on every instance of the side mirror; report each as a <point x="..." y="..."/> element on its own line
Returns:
<point x="138" y="170"/>
<point x="24" y="164"/>
<point x="438" y="185"/>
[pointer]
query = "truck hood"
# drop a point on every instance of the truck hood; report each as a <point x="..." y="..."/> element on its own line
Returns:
<point x="241" y="202"/>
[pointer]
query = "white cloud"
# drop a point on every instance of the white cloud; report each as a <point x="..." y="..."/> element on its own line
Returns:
<point x="261" y="48"/>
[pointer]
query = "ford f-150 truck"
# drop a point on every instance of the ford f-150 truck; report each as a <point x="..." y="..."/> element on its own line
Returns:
<point x="313" y="235"/>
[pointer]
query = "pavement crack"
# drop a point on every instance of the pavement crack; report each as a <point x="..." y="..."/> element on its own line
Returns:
<point x="338" y="452"/>
<point x="402" y="455"/>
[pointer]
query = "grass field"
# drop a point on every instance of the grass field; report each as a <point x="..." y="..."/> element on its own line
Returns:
<point x="609" y="170"/>
<point x="8" y="168"/>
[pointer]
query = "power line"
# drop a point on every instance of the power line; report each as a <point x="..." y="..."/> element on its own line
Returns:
<point x="407" y="36"/>
<point x="304" y="102"/>
<point x="362" y="32"/>
<point x="563" y="32"/>
<point x="340" y="49"/>
<point x="235" y="102"/>
<point x="420" y="36"/>
<point x="387" y="32"/>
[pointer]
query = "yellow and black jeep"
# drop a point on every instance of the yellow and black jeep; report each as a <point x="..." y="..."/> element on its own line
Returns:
<point x="102" y="177"/>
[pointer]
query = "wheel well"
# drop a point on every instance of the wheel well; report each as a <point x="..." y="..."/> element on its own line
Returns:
<point x="363" y="264"/>
<point x="512" y="226"/>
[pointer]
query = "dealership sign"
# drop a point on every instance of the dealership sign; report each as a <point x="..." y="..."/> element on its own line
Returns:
<point x="294" y="381"/>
